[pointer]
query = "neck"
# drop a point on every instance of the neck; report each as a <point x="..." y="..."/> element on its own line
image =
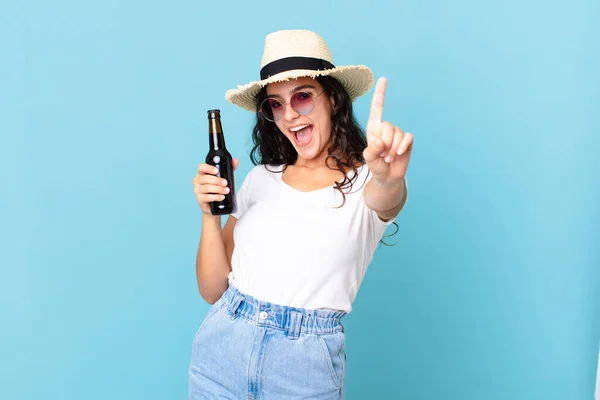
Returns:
<point x="321" y="161"/>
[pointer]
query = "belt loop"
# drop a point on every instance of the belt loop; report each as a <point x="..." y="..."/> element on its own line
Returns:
<point x="295" y="325"/>
<point x="236" y="301"/>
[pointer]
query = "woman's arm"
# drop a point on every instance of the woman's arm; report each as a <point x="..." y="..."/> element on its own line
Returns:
<point x="386" y="201"/>
<point x="387" y="156"/>
<point x="213" y="260"/>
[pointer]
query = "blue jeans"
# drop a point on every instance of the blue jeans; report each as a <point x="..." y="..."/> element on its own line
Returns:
<point x="246" y="349"/>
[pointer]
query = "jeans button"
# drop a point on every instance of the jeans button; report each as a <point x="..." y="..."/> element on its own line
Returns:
<point x="263" y="315"/>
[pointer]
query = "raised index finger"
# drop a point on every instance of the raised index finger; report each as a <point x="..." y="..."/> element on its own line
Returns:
<point x="378" y="99"/>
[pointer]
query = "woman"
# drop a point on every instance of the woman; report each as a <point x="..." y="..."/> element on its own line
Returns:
<point x="288" y="263"/>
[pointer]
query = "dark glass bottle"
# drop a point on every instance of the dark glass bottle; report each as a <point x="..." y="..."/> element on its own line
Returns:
<point x="219" y="157"/>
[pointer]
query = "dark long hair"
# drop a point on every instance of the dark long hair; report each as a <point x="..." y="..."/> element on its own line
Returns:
<point x="348" y="139"/>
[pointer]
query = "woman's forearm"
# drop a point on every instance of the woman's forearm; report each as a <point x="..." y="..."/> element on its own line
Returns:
<point x="385" y="200"/>
<point x="212" y="265"/>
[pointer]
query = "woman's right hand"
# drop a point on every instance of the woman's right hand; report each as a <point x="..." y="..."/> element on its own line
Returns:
<point x="208" y="187"/>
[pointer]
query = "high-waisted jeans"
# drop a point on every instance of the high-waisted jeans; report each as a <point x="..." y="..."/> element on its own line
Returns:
<point x="246" y="349"/>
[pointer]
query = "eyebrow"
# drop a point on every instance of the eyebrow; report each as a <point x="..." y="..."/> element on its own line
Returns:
<point x="296" y="89"/>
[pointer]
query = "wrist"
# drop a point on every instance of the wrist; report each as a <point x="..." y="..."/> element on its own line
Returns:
<point x="211" y="219"/>
<point x="389" y="184"/>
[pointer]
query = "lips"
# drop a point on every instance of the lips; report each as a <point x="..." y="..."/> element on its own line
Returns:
<point x="302" y="136"/>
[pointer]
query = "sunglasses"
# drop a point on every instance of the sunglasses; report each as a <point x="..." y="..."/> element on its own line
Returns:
<point x="301" y="102"/>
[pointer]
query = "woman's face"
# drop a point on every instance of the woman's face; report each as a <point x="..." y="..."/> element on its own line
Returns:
<point x="312" y="140"/>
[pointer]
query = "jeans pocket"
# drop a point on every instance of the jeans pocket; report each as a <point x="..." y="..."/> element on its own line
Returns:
<point x="211" y="312"/>
<point x="334" y="349"/>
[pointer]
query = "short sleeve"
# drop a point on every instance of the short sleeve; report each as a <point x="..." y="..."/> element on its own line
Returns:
<point x="243" y="196"/>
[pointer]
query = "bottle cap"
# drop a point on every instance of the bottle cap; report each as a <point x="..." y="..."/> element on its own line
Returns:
<point x="214" y="114"/>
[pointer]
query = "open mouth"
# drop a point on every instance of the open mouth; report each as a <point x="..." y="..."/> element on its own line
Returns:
<point x="302" y="134"/>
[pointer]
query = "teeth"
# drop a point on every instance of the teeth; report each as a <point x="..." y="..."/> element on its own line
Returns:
<point x="296" y="129"/>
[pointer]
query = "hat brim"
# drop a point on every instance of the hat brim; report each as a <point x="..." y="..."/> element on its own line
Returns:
<point x="356" y="79"/>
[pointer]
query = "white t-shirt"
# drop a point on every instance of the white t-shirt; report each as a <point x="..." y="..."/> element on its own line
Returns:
<point x="297" y="248"/>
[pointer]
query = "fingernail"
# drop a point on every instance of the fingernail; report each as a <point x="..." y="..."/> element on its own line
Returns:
<point x="224" y="182"/>
<point x="400" y="151"/>
<point x="226" y="190"/>
<point x="389" y="159"/>
<point x="216" y="171"/>
<point x="382" y="154"/>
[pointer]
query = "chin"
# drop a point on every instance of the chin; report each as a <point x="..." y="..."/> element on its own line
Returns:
<point x="310" y="154"/>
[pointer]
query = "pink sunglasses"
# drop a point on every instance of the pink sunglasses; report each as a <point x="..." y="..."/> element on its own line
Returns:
<point x="301" y="102"/>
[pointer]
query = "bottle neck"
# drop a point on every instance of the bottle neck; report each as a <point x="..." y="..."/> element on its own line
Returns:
<point x="215" y="132"/>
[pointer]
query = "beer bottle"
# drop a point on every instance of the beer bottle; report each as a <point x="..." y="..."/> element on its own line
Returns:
<point x="219" y="157"/>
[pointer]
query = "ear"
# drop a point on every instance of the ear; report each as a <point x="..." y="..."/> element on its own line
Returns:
<point x="332" y="101"/>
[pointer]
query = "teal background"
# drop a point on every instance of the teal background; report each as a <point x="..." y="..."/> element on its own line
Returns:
<point x="492" y="291"/>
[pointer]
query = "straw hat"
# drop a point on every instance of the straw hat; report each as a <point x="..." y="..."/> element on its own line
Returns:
<point x="291" y="54"/>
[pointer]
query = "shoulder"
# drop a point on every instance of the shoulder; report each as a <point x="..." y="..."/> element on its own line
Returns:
<point x="261" y="172"/>
<point x="265" y="170"/>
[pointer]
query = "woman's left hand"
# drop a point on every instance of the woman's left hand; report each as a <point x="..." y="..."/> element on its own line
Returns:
<point x="389" y="148"/>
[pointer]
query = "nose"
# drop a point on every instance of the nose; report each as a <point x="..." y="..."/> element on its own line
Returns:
<point x="290" y="113"/>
